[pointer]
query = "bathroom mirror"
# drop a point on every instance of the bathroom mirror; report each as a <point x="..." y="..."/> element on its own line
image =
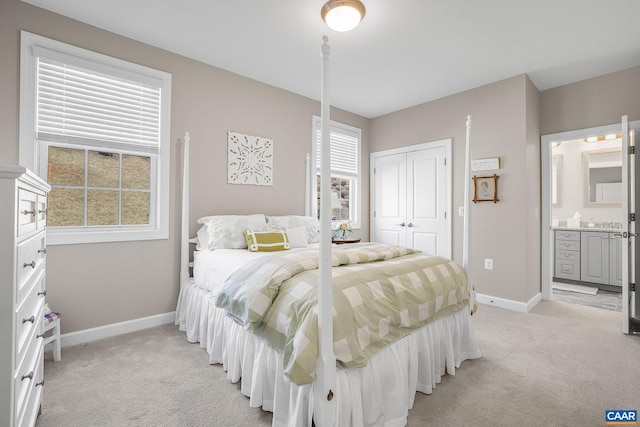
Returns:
<point x="603" y="177"/>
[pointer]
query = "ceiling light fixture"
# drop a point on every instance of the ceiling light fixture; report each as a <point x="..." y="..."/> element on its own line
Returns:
<point x="342" y="15"/>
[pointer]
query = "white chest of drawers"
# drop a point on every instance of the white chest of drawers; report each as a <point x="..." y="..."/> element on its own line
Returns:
<point x="23" y="209"/>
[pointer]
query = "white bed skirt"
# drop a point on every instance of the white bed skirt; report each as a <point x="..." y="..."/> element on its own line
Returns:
<point x="379" y="394"/>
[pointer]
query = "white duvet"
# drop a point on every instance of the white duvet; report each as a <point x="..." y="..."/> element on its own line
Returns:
<point x="212" y="267"/>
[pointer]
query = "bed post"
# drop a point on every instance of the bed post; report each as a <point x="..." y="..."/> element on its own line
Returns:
<point x="324" y="386"/>
<point x="184" y="238"/>
<point x="466" y="228"/>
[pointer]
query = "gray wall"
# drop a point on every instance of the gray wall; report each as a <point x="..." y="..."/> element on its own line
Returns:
<point x="502" y="127"/>
<point x="99" y="284"/>
<point x="595" y="102"/>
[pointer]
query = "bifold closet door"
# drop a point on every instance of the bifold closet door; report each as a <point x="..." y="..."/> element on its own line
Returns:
<point x="391" y="199"/>
<point x="410" y="200"/>
<point x="426" y="199"/>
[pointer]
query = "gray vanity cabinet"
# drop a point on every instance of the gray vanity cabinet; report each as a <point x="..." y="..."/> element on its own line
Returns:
<point x="589" y="256"/>
<point x="594" y="253"/>
<point x="567" y="254"/>
<point x="615" y="259"/>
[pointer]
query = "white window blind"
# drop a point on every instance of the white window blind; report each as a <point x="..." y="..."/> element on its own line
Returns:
<point x="344" y="152"/>
<point x="78" y="104"/>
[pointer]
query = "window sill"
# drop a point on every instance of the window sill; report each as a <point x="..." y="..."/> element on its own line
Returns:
<point x="71" y="237"/>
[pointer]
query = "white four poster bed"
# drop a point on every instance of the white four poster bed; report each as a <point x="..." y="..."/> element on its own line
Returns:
<point x="406" y="348"/>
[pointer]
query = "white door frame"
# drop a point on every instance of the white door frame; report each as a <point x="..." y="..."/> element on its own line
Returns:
<point x="546" y="237"/>
<point x="446" y="143"/>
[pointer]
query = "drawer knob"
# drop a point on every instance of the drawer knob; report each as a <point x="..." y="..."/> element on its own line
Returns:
<point x="42" y="251"/>
<point x="31" y="319"/>
<point x="42" y="293"/>
<point x="24" y="377"/>
<point x="31" y="264"/>
<point x="567" y="255"/>
<point x="40" y="384"/>
<point x="26" y="212"/>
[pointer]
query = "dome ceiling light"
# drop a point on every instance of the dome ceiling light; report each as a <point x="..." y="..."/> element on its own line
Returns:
<point x="342" y="15"/>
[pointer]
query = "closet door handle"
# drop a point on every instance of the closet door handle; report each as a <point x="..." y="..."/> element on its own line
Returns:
<point x="410" y="225"/>
<point x="402" y="224"/>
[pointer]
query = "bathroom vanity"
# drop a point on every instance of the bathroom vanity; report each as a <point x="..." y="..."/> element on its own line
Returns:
<point x="589" y="255"/>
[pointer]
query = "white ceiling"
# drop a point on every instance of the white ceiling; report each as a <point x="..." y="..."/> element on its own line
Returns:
<point x="404" y="53"/>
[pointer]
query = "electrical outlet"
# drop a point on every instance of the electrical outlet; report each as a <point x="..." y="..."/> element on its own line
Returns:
<point x="460" y="210"/>
<point x="488" y="264"/>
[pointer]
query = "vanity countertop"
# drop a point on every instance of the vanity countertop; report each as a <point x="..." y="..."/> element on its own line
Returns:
<point x="602" y="229"/>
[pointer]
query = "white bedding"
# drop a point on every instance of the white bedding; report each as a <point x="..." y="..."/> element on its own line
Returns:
<point x="212" y="267"/>
<point x="379" y="394"/>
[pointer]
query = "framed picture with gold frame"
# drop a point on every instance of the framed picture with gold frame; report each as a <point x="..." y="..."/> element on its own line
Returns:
<point x="485" y="188"/>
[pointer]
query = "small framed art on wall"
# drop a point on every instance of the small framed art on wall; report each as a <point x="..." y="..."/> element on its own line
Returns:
<point x="485" y="188"/>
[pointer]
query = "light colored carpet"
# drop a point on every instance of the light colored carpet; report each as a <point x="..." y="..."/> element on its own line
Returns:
<point x="559" y="365"/>
<point x="575" y="288"/>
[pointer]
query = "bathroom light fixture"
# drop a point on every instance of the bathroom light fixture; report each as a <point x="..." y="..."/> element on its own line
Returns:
<point x="603" y="137"/>
<point x="342" y="15"/>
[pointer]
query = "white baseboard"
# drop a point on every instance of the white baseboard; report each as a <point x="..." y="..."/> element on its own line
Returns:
<point x="106" y="331"/>
<point x="510" y="304"/>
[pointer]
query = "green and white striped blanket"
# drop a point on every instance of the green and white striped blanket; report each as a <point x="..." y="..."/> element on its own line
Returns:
<point x="380" y="294"/>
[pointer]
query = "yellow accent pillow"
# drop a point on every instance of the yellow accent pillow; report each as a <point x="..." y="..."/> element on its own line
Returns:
<point x="266" y="241"/>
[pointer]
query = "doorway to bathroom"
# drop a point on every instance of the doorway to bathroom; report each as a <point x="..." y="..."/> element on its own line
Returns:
<point x="586" y="212"/>
<point x="587" y="232"/>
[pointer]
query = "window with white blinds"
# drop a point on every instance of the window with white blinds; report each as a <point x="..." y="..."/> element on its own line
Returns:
<point x="97" y="129"/>
<point x="345" y="170"/>
<point x="82" y="104"/>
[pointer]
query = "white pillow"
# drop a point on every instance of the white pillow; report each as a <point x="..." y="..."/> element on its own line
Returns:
<point x="297" y="237"/>
<point x="227" y="231"/>
<point x="202" y="238"/>
<point x="284" y="222"/>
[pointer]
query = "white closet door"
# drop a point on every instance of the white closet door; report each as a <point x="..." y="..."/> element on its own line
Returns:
<point x="390" y="199"/>
<point x="426" y="200"/>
